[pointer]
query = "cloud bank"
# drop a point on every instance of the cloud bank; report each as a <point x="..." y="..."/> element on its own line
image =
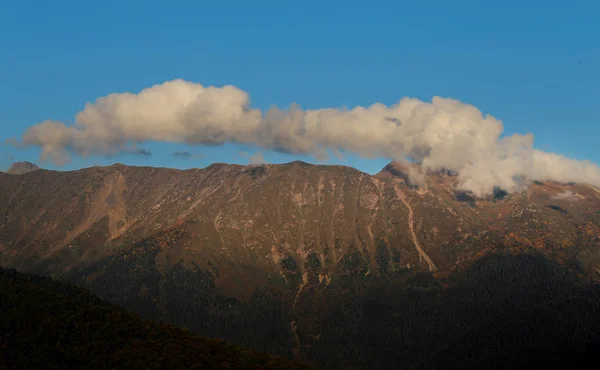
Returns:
<point x="441" y="134"/>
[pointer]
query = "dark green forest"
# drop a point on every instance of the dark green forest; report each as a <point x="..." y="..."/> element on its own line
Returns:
<point x="505" y="311"/>
<point x="45" y="324"/>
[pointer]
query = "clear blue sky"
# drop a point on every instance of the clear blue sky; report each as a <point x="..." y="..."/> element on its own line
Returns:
<point x="533" y="64"/>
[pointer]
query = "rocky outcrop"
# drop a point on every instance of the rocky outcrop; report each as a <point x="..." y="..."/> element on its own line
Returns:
<point x="20" y="168"/>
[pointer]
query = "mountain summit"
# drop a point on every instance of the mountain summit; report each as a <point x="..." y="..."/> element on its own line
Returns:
<point x="19" y="168"/>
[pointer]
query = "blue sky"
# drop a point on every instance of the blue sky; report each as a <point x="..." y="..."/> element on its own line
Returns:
<point x="532" y="64"/>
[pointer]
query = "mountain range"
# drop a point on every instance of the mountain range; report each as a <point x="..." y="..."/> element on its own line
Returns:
<point x="326" y="264"/>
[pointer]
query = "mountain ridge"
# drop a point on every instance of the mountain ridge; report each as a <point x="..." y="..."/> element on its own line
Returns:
<point x="104" y="189"/>
<point x="218" y="248"/>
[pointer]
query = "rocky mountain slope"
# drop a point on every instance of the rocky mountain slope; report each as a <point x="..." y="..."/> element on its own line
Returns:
<point x="224" y="249"/>
<point x="259" y="219"/>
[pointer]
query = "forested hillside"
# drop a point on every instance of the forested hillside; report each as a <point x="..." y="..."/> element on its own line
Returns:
<point x="46" y="324"/>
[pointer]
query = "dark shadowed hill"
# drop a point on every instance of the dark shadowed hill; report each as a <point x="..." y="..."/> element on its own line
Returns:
<point x="50" y="325"/>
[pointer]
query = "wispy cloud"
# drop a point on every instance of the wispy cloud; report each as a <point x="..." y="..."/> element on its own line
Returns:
<point x="566" y="195"/>
<point x="129" y="150"/>
<point x="142" y="152"/>
<point x="257" y="158"/>
<point x="182" y="155"/>
<point x="187" y="155"/>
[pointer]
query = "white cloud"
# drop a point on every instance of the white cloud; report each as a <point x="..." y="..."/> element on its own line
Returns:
<point x="443" y="133"/>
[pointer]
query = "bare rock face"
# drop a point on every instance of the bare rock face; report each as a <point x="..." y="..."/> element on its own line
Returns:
<point x="19" y="168"/>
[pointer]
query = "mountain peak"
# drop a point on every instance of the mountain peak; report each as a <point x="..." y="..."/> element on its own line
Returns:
<point x="403" y="170"/>
<point x="19" y="168"/>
